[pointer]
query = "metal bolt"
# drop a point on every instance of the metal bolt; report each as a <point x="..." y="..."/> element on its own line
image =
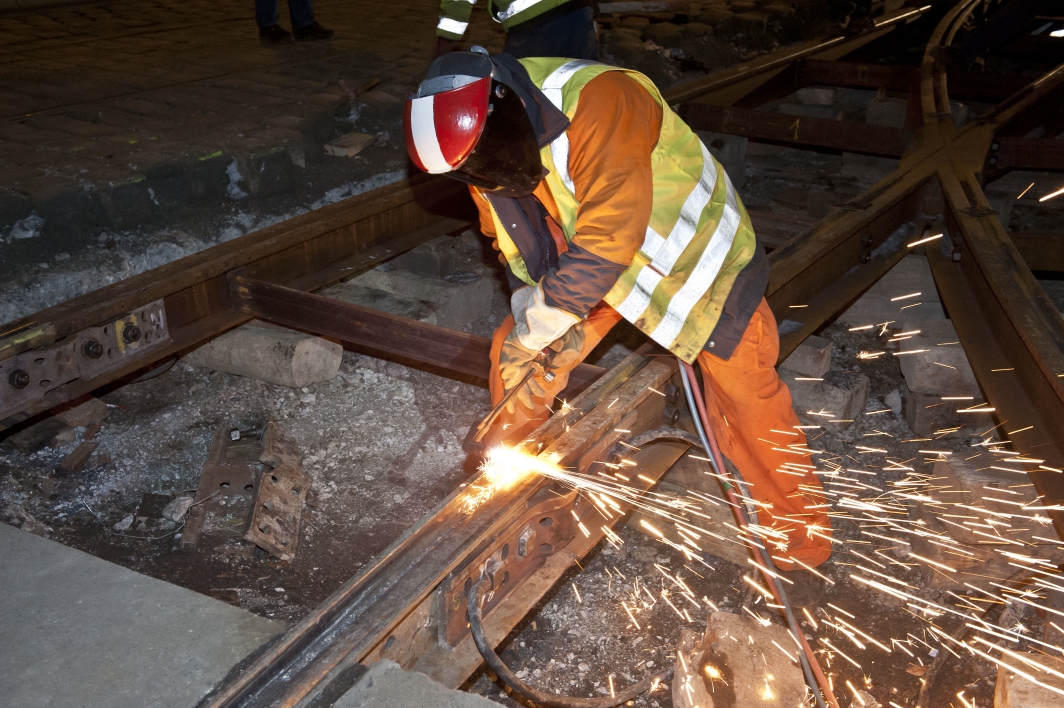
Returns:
<point x="92" y="349"/>
<point x="670" y="415"/>
<point x="523" y="541"/>
<point x="19" y="379"/>
<point x="131" y="334"/>
<point x="672" y="393"/>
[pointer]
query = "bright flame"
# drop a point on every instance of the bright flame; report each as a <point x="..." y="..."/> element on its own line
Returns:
<point x="505" y="466"/>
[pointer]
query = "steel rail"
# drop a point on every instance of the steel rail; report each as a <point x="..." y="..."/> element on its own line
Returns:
<point x="309" y="252"/>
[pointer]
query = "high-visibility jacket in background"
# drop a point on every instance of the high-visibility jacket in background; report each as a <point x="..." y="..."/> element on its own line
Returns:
<point x="454" y="14"/>
<point x="664" y="255"/>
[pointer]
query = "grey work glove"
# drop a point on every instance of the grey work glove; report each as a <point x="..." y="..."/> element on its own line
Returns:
<point x="515" y="360"/>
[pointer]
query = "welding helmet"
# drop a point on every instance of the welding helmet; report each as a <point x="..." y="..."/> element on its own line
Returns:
<point x="466" y="124"/>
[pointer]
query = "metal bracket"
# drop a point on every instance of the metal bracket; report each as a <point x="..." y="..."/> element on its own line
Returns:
<point x="546" y="527"/>
<point x="29" y="376"/>
<point x="279" y="496"/>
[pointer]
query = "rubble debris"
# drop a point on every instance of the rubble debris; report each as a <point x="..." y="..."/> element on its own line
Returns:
<point x="1016" y="691"/>
<point x="821" y="403"/>
<point x="864" y="699"/>
<point x="269" y="353"/>
<point x="175" y="511"/>
<point x="811" y="358"/>
<point x="349" y="145"/>
<point x="763" y="660"/>
<point x="76" y="460"/>
<point x="18" y="517"/>
<point x="50" y="432"/>
<point x="84" y="415"/>
<point x="124" y="524"/>
<point x="279" y="495"/>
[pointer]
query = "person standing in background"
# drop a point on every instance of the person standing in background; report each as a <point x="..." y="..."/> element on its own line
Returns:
<point x="304" y="27"/>
<point x="534" y="28"/>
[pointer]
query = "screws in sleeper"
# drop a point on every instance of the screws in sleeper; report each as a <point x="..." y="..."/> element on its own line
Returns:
<point x="19" y="378"/>
<point x="92" y="349"/>
<point x="131" y="334"/>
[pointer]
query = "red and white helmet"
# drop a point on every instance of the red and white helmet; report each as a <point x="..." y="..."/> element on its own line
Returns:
<point x="467" y="125"/>
<point x="443" y="127"/>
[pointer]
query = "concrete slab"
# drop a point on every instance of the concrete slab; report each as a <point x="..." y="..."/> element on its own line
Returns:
<point x="386" y="685"/>
<point x="886" y="301"/>
<point x="79" y="631"/>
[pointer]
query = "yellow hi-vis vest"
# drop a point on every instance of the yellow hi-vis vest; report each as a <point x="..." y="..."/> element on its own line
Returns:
<point x="699" y="237"/>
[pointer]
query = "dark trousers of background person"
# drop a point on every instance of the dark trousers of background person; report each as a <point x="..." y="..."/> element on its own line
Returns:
<point x="569" y="33"/>
<point x="301" y="12"/>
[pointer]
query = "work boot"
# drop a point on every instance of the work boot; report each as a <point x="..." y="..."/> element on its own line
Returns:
<point x="312" y="32"/>
<point x="805" y="589"/>
<point x="274" y="34"/>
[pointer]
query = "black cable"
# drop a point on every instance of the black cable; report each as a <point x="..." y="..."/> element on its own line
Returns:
<point x="476" y="628"/>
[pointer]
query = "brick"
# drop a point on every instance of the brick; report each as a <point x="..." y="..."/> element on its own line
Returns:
<point x="50" y="432"/>
<point x="84" y="414"/>
<point x="829" y="406"/>
<point x="944" y="369"/>
<point x="811" y="358"/>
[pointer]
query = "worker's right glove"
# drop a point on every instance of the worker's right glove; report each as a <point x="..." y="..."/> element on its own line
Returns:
<point x="515" y="361"/>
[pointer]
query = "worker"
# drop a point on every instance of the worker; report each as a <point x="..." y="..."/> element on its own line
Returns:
<point x="605" y="206"/>
<point x="534" y="28"/>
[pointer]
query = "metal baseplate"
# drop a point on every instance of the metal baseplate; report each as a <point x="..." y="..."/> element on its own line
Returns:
<point x="31" y="375"/>
<point x="279" y="496"/>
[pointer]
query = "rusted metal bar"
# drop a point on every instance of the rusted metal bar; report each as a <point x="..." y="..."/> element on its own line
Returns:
<point x="309" y="252"/>
<point x="962" y="85"/>
<point x="798" y="131"/>
<point x="1040" y="251"/>
<point x="375" y="331"/>
<point x="390" y="611"/>
<point x="1037" y="154"/>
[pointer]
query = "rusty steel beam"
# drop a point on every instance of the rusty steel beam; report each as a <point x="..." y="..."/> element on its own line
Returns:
<point x="798" y="131"/>
<point x="309" y="252"/>
<point x="1040" y="251"/>
<point x="1036" y="154"/>
<point x="376" y="332"/>
<point x="963" y="85"/>
<point x="401" y="606"/>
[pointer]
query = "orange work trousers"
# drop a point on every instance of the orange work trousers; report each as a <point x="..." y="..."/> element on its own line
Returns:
<point x="751" y="414"/>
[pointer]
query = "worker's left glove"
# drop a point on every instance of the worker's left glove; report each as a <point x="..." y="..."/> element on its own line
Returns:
<point x="536" y="326"/>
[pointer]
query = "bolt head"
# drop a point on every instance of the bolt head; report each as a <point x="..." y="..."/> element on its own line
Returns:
<point x="19" y="378"/>
<point x="92" y="349"/>
<point x="131" y="334"/>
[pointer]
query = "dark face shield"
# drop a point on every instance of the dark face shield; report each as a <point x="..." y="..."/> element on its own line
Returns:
<point x="506" y="159"/>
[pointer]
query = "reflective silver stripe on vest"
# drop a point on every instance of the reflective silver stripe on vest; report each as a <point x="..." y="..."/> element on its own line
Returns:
<point x="685" y="227"/>
<point x="453" y="26"/>
<point x="552" y="89"/>
<point x="515" y="7"/>
<point x="704" y="273"/>
<point x="652" y="243"/>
